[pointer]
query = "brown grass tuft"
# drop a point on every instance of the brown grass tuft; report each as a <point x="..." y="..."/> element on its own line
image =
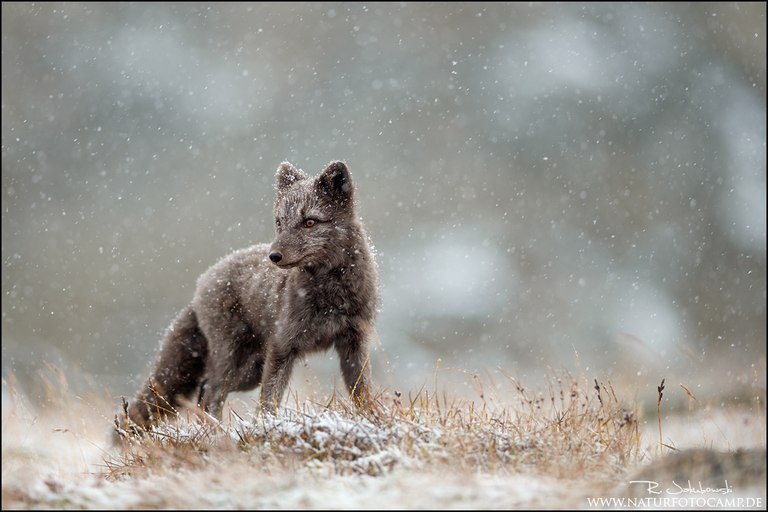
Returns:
<point x="572" y="430"/>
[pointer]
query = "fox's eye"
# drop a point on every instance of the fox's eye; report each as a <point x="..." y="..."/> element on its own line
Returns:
<point x="277" y="223"/>
<point x="310" y="222"/>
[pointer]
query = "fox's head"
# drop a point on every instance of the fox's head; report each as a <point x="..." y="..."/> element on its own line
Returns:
<point x="315" y="222"/>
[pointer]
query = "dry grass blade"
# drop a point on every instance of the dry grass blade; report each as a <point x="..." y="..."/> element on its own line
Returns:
<point x="688" y="392"/>
<point x="660" y="390"/>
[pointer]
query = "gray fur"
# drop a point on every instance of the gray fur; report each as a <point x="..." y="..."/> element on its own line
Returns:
<point x="251" y="318"/>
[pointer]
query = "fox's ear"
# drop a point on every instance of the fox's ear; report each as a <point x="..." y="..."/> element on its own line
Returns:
<point x="336" y="181"/>
<point x="287" y="175"/>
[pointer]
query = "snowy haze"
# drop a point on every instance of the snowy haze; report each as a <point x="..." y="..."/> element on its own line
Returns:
<point x="545" y="185"/>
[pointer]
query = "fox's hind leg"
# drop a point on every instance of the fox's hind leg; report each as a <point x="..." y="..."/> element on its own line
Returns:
<point x="177" y="372"/>
<point x="235" y="359"/>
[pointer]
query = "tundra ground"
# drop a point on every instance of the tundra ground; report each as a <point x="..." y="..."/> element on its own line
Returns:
<point x="560" y="446"/>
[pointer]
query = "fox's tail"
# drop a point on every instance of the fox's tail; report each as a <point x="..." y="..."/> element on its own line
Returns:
<point x="177" y="374"/>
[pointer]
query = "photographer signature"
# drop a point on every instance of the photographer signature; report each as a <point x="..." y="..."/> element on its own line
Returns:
<point x="653" y="488"/>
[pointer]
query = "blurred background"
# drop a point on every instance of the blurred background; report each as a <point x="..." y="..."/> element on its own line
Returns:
<point x="547" y="186"/>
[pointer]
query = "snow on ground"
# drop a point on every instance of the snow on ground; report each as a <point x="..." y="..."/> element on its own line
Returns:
<point x="243" y="486"/>
<point x="49" y="466"/>
<point x="57" y="458"/>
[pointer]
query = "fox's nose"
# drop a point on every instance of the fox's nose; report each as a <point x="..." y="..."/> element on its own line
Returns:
<point x="275" y="257"/>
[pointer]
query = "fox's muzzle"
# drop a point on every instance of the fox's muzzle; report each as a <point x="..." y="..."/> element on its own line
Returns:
<point x="282" y="258"/>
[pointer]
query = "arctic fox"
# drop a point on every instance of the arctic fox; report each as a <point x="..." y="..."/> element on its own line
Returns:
<point x="258" y="309"/>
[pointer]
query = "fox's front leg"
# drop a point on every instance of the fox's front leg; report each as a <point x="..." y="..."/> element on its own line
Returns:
<point x="277" y="373"/>
<point x="355" y="368"/>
